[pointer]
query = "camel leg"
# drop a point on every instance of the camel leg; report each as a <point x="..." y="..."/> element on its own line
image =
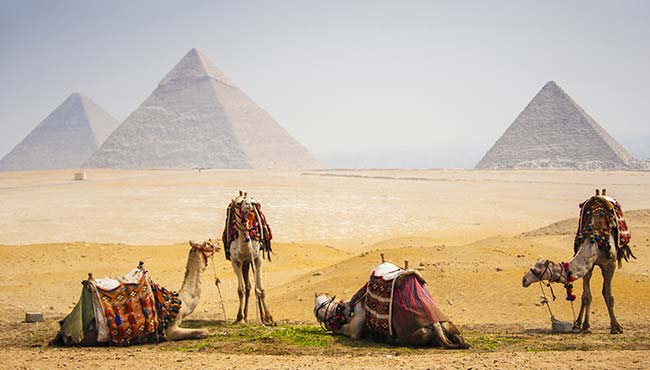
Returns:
<point x="265" y="314"/>
<point x="175" y="332"/>
<point x="247" y="284"/>
<point x="585" y="304"/>
<point x="237" y="266"/>
<point x="422" y="337"/>
<point x="608" y="275"/>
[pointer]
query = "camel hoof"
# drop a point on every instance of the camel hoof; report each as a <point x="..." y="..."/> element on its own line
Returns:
<point x="201" y="334"/>
<point x="586" y="331"/>
<point x="616" y="330"/>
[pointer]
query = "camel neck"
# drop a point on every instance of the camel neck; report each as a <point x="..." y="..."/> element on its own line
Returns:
<point x="581" y="263"/>
<point x="190" y="291"/>
<point x="244" y="239"/>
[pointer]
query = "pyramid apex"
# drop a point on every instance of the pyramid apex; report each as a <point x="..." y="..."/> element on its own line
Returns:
<point x="195" y="65"/>
<point x="551" y="85"/>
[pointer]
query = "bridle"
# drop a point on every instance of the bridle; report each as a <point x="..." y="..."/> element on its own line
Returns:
<point x="207" y="252"/>
<point x="326" y="323"/>
<point x="540" y="276"/>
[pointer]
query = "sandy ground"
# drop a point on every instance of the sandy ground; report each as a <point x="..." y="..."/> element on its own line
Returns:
<point x="472" y="235"/>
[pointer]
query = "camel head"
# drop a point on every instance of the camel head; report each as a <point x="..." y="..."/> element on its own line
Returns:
<point x="322" y="303"/>
<point x="540" y="271"/>
<point x="243" y="207"/>
<point x="203" y="250"/>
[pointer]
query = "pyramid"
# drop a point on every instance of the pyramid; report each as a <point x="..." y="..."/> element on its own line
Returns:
<point x="65" y="139"/>
<point x="197" y="118"/>
<point x="553" y="131"/>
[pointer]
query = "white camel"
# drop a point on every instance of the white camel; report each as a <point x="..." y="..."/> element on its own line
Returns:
<point x="246" y="251"/>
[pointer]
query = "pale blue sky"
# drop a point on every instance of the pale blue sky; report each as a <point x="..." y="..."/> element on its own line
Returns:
<point x="371" y="83"/>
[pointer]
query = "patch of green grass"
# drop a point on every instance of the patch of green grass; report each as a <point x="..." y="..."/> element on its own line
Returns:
<point x="192" y="348"/>
<point x="304" y="335"/>
<point x="492" y="342"/>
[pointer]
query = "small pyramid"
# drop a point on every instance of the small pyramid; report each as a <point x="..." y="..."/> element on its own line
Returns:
<point x="553" y="131"/>
<point x="65" y="139"/>
<point x="197" y="118"/>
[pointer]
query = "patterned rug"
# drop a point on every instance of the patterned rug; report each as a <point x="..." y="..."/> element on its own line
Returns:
<point x="131" y="310"/>
<point x="612" y="227"/>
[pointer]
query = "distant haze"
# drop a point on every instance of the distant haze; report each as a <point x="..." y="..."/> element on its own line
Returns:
<point x="359" y="84"/>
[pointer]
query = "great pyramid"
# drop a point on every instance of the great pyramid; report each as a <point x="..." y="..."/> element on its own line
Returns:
<point x="553" y="131"/>
<point x="65" y="139"/>
<point x="197" y="118"/>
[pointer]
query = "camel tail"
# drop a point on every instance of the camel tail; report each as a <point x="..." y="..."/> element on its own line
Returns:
<point x="624" y="253"/>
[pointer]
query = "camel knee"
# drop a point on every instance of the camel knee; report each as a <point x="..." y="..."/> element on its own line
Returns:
<point x="240" y="293"/>
<point x="260" y="293"/>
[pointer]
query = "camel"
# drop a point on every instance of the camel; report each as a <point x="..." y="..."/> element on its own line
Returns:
<point x="169" y="328"/>
<point x="248" y="237"/>
<point x="599" y="242"/>
<point x="420" y="323"/>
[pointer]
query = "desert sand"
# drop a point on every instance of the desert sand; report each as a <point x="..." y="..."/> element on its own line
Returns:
<point x="472" y="235"/>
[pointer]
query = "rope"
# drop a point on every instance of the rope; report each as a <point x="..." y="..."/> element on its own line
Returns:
<point x="545" y="300"/>
<point x="217" y="282"/>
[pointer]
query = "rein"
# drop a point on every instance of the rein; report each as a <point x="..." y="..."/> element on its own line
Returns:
<point x="334" y="318"/>
<point x="206" y="252"/>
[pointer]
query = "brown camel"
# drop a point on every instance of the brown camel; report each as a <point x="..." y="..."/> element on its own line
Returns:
<point x="601" y="241"/>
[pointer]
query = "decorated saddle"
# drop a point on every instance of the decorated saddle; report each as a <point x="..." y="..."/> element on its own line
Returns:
<point x="120" y="311"/>
<point x="612" y="226"/>
<point x="257" y="227"/>
<point x="397" y="303"/>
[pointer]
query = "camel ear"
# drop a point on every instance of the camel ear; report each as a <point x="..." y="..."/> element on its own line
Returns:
<point x="192" y="243"/>
<point x="540" y="258"/>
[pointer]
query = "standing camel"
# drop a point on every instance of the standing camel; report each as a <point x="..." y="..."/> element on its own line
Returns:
<point x="247" y="237"/>
<point x="601" y="241"/>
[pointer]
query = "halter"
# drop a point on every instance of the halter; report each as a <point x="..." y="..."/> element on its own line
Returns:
<point x="205" y="251"/>
<point x="334" y="317"/>
<point x="245" y="221"/>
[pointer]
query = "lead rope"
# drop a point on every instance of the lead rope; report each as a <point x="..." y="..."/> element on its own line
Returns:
<point x="217" y="282"/>
<point x="545" y="300"/>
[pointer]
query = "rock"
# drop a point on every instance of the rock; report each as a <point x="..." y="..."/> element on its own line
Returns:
<point x="499" y="269"/>
<point x="318" y="273"/>
<point x="449" y="302"/>
<point x="33" y="316"/>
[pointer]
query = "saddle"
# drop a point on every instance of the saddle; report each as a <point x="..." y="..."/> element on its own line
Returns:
<point x="259" y="231"/>
<point x="613" y="228"/>
<point x="120" y="311"/>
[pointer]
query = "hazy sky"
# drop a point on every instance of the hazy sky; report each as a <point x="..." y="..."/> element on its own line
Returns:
<point x="370" y="83"/>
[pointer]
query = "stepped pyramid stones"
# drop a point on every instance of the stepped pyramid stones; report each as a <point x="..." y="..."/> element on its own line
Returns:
<point x="554" y="132"/>
<point x="197" y="118"/>
<point x="65" y="139"/>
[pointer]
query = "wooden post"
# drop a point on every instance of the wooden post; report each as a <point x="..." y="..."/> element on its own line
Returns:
<point x="406" y="264"/>
<point x="597" y="192"/>
<point x="90" y="276"/>
<point x="382" y="258"/>
<point x="604" y="192"/>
